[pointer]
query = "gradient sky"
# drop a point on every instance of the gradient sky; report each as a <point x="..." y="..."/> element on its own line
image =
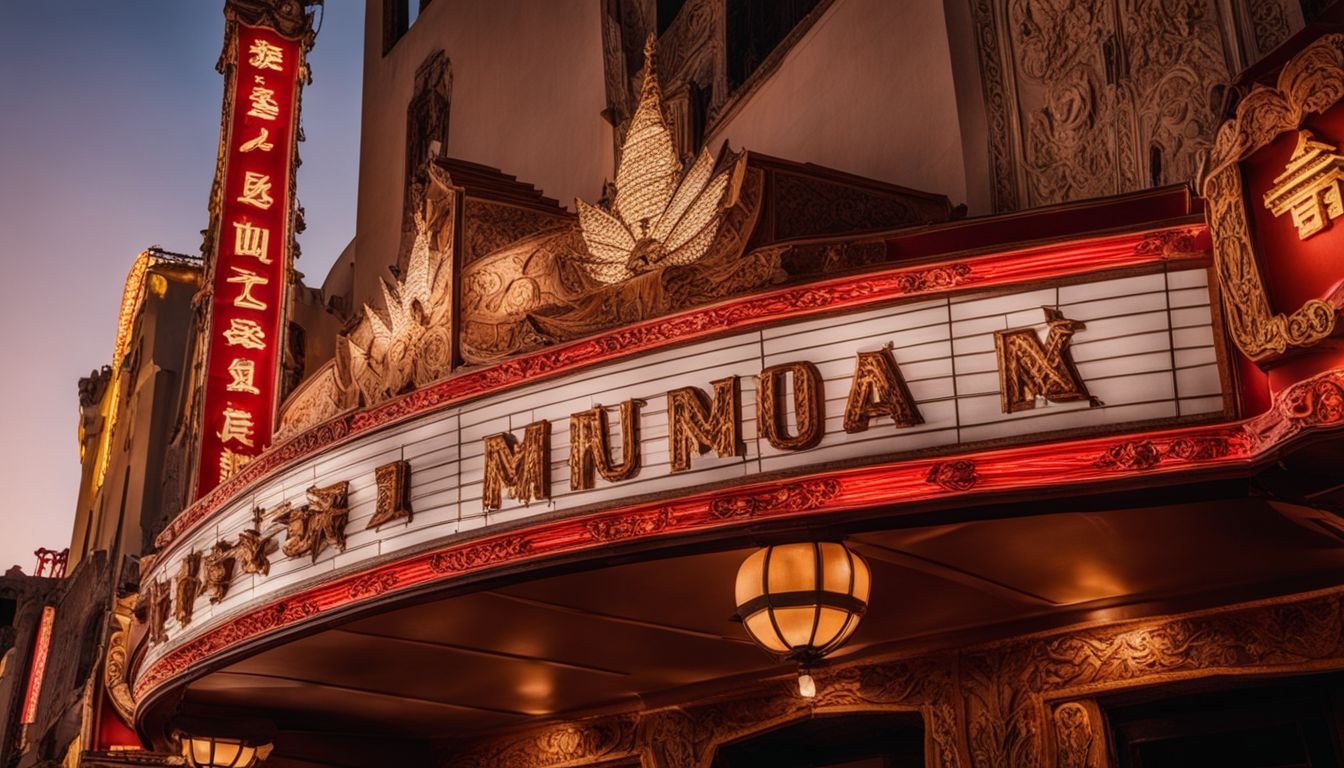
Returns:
<point x="109" y="121"/>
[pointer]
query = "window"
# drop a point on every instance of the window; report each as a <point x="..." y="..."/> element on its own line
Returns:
<point x="894" y="740"/>
<point x="398" y="16"/>
<point x="1283" y="724"/>
<point x="755" y="27"/>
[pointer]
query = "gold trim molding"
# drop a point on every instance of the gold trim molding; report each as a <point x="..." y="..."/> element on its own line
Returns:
<point x="1311" y="83"/>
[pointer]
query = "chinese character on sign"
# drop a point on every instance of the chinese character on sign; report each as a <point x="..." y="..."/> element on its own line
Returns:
<point x="245" y="333"/>
<point x="237" y="426"/>
<point x="251" y="241"/>
<point x="247" y="278"/>
<point x="230" y="463"/>
<point x="243" y="372"/>
<point x="266" y="56"/>
<point x="1309" y="186"/>
<point x="263" y="104"/>
<point x="260" y="143"/>
<point x="256" y="190"/>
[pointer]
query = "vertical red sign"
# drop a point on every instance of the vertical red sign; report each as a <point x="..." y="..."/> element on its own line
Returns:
<point x="251" y="255"/>
<point x="38" y="669"/>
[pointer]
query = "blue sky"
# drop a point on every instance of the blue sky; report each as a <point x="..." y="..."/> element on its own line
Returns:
<point x="109" y="121"/>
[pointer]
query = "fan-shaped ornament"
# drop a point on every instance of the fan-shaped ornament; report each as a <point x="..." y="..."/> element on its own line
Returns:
<point x="659" y="216"/>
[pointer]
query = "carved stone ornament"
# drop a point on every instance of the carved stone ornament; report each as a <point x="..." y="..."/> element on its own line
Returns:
<point x="1088" y="98"/>
<point x="1029" y="369"/>
<point x="115" y="669"/>
<point x="1311" y="83"/>
<point x="394" y="494"/>
<point x="188" y="587"/>
<point x="321" y="522"/>
<point x="408" y="342"/>
<point x="524" y="470"/>
<point x="288" y="17"/>
<point x="1080" y="741"/>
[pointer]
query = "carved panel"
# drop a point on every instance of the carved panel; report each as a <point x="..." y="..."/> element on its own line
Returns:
<point x="1087" y="99"/>
<point x="1080" y="735"/>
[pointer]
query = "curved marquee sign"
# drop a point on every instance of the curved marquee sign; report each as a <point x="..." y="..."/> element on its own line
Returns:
<point x="892" y="379"/>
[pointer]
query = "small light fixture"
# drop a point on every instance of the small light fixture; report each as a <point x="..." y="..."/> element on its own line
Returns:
<point x="220" y="752"/>
<point x="247" y="745"/>
<point x="802" y="601"/>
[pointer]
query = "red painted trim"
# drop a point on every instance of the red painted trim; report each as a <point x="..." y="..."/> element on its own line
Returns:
<point x="975" y="273"/>
<point x="1311" y="405"/>
<point x="38" y="669"/>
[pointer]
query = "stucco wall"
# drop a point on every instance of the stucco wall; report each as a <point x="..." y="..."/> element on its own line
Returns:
<point x="868" y="90"/>
<point x="527" y="98"/>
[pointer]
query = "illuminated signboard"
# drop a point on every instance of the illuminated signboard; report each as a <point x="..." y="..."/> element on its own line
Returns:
<point x="251" y="255"/>
<point x="39" y="666"/>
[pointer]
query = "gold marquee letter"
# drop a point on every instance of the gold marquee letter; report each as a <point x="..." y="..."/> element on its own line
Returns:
<point x="878" y="389"/>
<point x="590" y="446"/>
<point x="809" y="406"/>
<point x="696" y="425"/>
<point x="524" y="470"/>
<point x="394" y="494"/>
<point x="1029" y="369"/>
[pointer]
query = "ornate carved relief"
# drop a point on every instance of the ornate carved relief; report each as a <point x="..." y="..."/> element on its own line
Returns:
<point x="879" y="389"/>
<point x="956" y="475"/>
<point x="696" y="425"/>
<point x="1029" y="370"/>
<point x="1269" y="24"/>
<point x="394" y="494"/>
<point x="1311" y="83"/>
<point x="524" y="470"/>
<point x="1086" y="99"/>
<point x="317" y="524"/>
<point x="409" y="343"/>
<point x="590" y="446"/>
<point x="426" y="138"/>
<point x="115" y="680"/>
<point x="254" y="549"/>
<point x="1080" y="736"/>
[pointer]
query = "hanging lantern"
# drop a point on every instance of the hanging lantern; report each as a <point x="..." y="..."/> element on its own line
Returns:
<point x="802" y="601"/>
<point x="218" y="752"/>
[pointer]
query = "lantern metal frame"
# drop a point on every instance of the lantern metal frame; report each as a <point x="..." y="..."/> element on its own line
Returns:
<point x="816" y="598"/>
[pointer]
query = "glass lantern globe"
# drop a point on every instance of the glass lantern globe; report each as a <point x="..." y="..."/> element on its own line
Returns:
<point x="220" y="752"/>
<point x="802" y="601"/>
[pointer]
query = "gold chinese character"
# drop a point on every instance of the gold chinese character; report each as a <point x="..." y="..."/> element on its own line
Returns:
<point x="261" y="142"/>
<point x="263" y="103"/>
<point x="1310" y="186"/>
<point x="266" y="56"/>
<point x="230" y="463"/>
<point x="245" y="333"/>
<point x="237" y="426"/>
<point x="256" y="190"/>
<point x="251" y="241"/>
<point x="243" y="372"/>
<point x="247" y="278"/>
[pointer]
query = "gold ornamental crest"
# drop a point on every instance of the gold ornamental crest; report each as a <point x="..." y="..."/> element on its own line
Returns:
<point x="1303" y="193"/>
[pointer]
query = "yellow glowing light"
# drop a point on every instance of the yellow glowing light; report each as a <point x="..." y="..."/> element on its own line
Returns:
<point x="659" y="216"/>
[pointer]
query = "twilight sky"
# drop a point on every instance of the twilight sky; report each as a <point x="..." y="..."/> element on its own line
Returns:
<point x="109" y="121"/>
